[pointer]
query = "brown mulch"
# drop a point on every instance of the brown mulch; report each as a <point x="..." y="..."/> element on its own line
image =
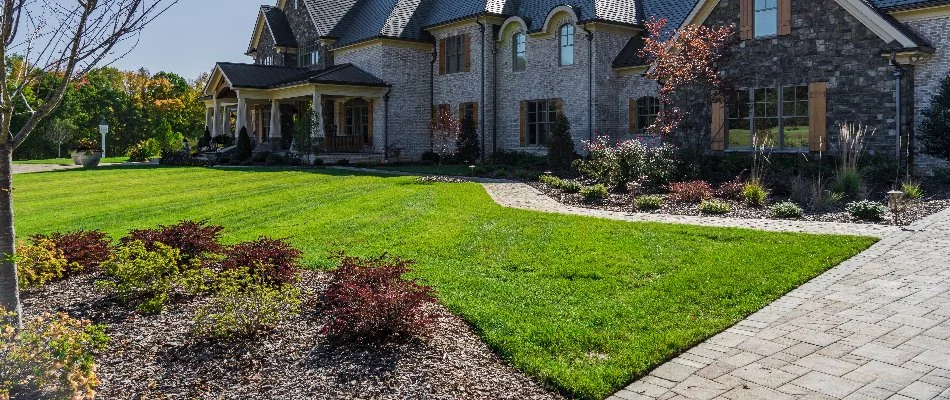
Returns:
<point x="155" y="356"/>
<point x="623" y="202"/>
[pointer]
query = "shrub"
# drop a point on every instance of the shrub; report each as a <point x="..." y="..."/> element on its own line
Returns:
<point x="368" y="300"/>
<point x="193" y="239"/>
<point x="692" y="192"/>
<point x="39" y="263"/>
<point x="549" y="180"/>
<point x="596" y="192"/>
<point x="141" y="151"/>
<point x="646" y="203"/>
<point x="343" y="162"/>
<point x="731" y="190"/>
<point x="244" y="147"/>
<point x="518" y="158"/>
<point x="714" y="207"/>
<point x="430" y="157"/>
<point x="274" y="260"/>
<point x="630" y="161"/>
<point x="82" y="249"/>
<point x="848" y="183"/>
<point x="935" y="124"/>
<point x="754" y="194"/>
<point x="51" y="353"/>
<point x="867" y="210"/>
<point x="560" y="145"/>
<point x="244" y="304"/>
<point x="146" y="275"/>
<point x="563" y="185"/>
<point x="787" y="209"/>
<point x="467" y="146"/>
<point x="912" y="190"/>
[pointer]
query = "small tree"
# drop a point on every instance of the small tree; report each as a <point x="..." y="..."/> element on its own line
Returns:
<point x="244" y="146"/>
<point x="305" y="135"/>
<point x="445" y="132"/>
<point x="468" y="149"/>
<point x="935" y="126"/>
<point x="561" y="145"/>
<point x="60" y="131"/>
<point x="205" y="140"/>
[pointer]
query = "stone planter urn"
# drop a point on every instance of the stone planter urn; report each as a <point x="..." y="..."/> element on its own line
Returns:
<point x="76" y="154"/>
<point x="90" y="159"/>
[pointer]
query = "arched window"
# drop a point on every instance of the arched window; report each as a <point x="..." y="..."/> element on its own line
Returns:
<point x="356" y="118"/>
<point x="648" y="108"/>
<point x="518" y="60"/>
<point x="566" y="35"/>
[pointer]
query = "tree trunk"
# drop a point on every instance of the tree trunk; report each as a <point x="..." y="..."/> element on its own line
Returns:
<point x="9" y="290"/>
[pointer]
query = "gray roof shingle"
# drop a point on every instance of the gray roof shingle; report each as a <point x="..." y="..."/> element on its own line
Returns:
<point x="279" y="26"/>
<point x="254" y="76"/>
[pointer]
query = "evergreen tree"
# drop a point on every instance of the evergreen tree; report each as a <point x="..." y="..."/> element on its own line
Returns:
<point x="244" y="146"/>
<point x="935" y="127"/>
<point x="467" y="148"/>
<point x="561" y="146"/>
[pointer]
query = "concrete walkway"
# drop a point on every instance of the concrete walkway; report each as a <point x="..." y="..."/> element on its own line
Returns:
<point x="877" y="326"/>
<point x="30" y="168"/>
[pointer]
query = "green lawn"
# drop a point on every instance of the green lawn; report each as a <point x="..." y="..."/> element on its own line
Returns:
<point x="585" y="304"/>
<point x="69" y="161"/>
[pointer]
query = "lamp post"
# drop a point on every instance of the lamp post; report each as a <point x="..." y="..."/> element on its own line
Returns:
<point x="103" y="130"/>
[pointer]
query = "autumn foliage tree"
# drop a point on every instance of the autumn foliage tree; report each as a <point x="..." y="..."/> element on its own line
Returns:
<point x="685" y="62"/>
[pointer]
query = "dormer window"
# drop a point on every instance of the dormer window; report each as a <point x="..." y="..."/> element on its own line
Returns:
<point x="566" y="42"/>
<point x="309" y="54"/>
<point x="766" y="18"/>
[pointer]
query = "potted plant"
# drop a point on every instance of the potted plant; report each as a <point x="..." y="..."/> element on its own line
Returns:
<point x="87" y="153"/>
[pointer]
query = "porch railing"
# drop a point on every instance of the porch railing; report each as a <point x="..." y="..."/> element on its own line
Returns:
<point x="344" y="144"/>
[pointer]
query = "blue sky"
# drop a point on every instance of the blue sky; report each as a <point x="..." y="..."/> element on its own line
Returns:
<point x="193" y="35"/>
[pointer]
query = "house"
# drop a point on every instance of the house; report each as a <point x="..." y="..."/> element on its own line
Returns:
<point x="375" y="72"/>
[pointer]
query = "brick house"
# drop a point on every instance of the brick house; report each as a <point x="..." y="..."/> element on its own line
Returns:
<point x="376" y="71"/>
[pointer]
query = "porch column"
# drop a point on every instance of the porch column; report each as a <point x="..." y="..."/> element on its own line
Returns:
<point x="209" y="117"/>
<point x="216" y="118"/>
<point x="241" y="116"/>
<point x="318" y="112"/>
<point x="274" y="120"/>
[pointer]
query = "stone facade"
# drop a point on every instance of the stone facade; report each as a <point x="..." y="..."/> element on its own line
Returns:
<point x="929" y="73"/>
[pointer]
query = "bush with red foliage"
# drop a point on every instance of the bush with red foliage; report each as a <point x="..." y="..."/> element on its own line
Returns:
<point x="193" y="239"/>
<point x="275" y="260"/>
<point x="731" y="190"/>
<point x="83" y="250"/>
<point x="693" y="191"/>
<point x="368" y="300"/>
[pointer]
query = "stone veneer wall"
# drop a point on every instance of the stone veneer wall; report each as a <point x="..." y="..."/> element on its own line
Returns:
<point x="265" y="48"/>
<point x="827" y="44"/>
<point x="465" y="87"/>
<point x="930" y="73"/>
<point x="610" y="110"/>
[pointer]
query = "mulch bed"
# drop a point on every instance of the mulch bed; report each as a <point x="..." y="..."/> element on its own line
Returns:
<point x="155" y="356"/>
<point x="623" y="202"/>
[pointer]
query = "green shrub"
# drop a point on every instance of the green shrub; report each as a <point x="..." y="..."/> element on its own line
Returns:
<point x="714" y="207"/>
<point x="596" y="192"/>
<point x="787" y="209"/>
<point x="39" y="263"/>
<point x="53" y="354"/>
<point x="630" y="161"/>
<point x="141" y="151"/>
<point x="515" y="158"/>
<point x="245" y="304"/>
<point x="848" y="183"/>
<point x="560" y="145"/>
<point x="834" y="198"/>
<point x="549" y="179"/>
<point x="647" y="203"/>
<point x="912" y="190"/>
<point x="935" y="124"/>
<point x="244" y="149"/>
<point x="467" y="146"/>
<point x="867" y="210"/>
<point x="754" y="194"/>
<point x="148" y="277"/>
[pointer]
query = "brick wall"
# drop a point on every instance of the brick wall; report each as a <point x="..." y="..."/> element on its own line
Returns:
<point x="929" y="74"/>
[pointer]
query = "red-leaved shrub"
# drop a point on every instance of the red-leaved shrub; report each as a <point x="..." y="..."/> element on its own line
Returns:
<point x="731" y="190"/>
<point x="275" y="260"/>
<point x="368" y="300"/>
<point x="693" y="192"/>
<point x="192" y="238"/>
<point x="83" y="250"/>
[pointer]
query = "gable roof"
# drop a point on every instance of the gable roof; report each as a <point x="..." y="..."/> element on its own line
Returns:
<point x="254" y="76"/>
<point x="279" y="26"/>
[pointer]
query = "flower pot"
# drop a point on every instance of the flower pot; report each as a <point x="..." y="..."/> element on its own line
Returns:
<point x="90" y="159"/>
<point x="75" y="154"/>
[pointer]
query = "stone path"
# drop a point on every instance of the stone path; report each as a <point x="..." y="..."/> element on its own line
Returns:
<point x="877" y="326"/>
<point x="29" y="168"/>
<point x="523" y="196"/>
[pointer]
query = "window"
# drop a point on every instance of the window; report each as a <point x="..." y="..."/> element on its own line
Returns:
<point x="648" y="108"/>
<point x="566" y="34"/>
<point x="356" y="118"/>
<point x="467" y="110"/>
<point x="778" y="115"/>
<point x="539" y="118"/>
<point x="455" y="54"/>
<point x="766" y="18"/>
<point x="309" y="54"/>
<point x="269" y="60"/>
<point x="518" y="52"/>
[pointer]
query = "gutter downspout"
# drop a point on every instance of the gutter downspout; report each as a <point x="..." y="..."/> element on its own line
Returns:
<point x="590" y="83"/>
<point x="494" y="85"/>
<point x="435" y="56"/>
<point x="481" y="109"/>
<point x="386" y="124"/>
<point x="898" y="74"/>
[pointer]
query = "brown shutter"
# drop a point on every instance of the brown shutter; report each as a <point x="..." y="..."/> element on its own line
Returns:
<point x="559" y="106"/>
<point x="475" y="114"/>
<point x="521" y="119"/>
<point x="442" y="57"/>
<point x="746" y="15"/>
<point x="818" y="116"/>
<point x="718" y="129"/>
<point x="435" y="112"/>
<point x="461" y="112"/>
<point x="784" y="17"/>
<point x="468" y="53"/>
<point x="633" y="116"/>
<point x="369" y="122"/>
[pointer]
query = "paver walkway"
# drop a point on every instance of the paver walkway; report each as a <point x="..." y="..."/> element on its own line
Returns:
<point x="877" y="326"/>
<point x="523" y="196"/>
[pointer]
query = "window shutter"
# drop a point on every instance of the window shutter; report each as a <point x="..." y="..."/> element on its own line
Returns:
<point x="369" y="122"/>
<point x="475" y="114"/>
<point x="633" y="116"/>
<point x="461" y="112"/>
<point x="746" y="16"/>
<point x="441" y="56"/>
<point x="784" y="17"/>
<point x="559" y="106"/>
<point x="718" y="131"/>
<point x="521" y="119"/>
<point x="468" y="53"/>
<point x="818" y="116"/>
